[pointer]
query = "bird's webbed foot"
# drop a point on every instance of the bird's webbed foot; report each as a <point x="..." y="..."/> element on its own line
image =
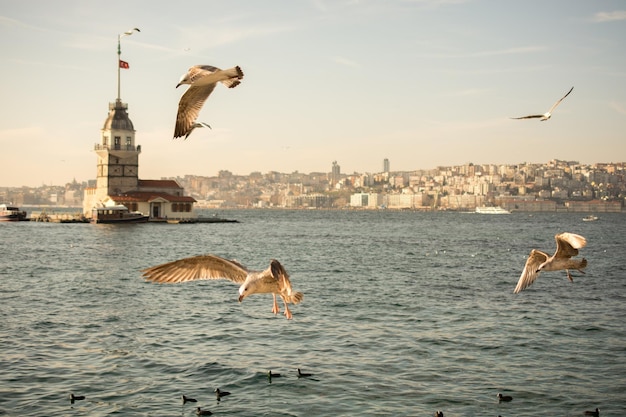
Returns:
<point x="275" y="308"/>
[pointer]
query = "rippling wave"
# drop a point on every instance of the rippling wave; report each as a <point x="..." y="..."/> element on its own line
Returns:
<point x="404" y="313"/>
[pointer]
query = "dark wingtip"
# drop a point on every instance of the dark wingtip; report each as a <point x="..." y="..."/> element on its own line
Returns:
<point x="277" y="268"/>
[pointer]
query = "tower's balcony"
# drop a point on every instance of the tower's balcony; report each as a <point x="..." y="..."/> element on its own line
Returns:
<point x="117" y="147"/>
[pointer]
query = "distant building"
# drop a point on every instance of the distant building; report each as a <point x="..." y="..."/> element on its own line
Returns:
<point x="335" y="175"/>
<point x="117" y="177"/>
<point x="385" y="165"/>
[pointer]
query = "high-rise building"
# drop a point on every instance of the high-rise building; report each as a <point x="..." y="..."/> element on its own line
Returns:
<point x="335" y="173"/>
<point x="385" y="165"/>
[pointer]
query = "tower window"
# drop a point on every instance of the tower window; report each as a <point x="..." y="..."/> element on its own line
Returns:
<point x="129" y="143"/>
<point x="117" y="142"/>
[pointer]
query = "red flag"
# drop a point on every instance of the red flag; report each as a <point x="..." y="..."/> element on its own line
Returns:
<point x="124" y="64"/>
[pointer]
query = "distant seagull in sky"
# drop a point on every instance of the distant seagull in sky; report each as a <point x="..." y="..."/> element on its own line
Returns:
<point x="130" y="32"/>
<point x="567" y="245"/>
<point x="202" y="80"/>
<point x="274" y="279"/>
<point x="195" y="125"/>
<point x="548" y="114"/>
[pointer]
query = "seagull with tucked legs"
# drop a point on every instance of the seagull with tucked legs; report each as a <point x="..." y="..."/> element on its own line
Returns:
<point x="202" y="80"/>
<point x="196" y="125"/>
<point x="547" y="115"/>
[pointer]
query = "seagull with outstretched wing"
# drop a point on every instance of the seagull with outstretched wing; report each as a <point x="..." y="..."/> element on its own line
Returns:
<point x="567" y="245"/>
<point x="546" y="115"/>
<point x="274" y="279"/>
<point x="202" y="80"/>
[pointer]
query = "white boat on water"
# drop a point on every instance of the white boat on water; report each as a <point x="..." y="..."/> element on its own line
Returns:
<point x="117" y="214"/>
<point x="491" y="210"/>
<point x="590" y="218"/>
<point x="11" y="213"/>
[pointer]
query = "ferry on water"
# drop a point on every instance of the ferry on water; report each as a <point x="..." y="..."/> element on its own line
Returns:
<point x="491" y="210"/>
<point x="11" y="213"/>
<point x="117" y="214"/>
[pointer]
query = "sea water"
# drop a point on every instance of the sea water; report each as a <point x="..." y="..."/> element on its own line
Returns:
<point x="404" y="313"/>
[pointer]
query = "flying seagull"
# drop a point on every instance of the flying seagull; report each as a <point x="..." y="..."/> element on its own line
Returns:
<point x="129" y="32"/>
<point x="202" y="80"/>
<point x="567" y="245"/>
<point x="548" y="114"/>
<point x="274" y="279"/>
<point x="195" y="125"/>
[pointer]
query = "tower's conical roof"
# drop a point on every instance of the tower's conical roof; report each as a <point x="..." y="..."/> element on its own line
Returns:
<point x="118" y="117"/>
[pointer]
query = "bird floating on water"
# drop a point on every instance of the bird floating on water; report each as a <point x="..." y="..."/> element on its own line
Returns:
<point x="595" y="413"/>
<point x="189" y="400"/>
<point x="196" y="125"/>
<point x="274" y="279"/>
<point x="201" y="412"/>
<point x="76" y="398"/>
<point x="505" y="398"/>
<point x="271" y="375"/>
<point x="303" y="374"/>
<point x="547" y="115"/>
<point x="438" y="413"/>
<point x="202" y="80"/>
<point x="567" y="245"/>
<point x="219" y="393"/>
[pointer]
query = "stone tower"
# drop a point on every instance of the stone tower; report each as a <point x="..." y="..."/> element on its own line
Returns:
<point x="118" y="156"/>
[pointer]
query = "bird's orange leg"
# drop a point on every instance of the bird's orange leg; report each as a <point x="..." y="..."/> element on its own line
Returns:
<point x="287" y="311"/>
<point x="275" y="308"/>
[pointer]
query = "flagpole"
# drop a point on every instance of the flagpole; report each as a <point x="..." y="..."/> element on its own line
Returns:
<point x="119" y="56"/>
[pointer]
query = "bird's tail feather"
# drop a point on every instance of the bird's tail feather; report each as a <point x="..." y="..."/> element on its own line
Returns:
<point x="235" y="74"/>
<point x="296" y="297"/>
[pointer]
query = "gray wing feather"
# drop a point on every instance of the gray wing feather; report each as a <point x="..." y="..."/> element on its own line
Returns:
<point x="559" y="101"/>
<point x="530" y="274"/>
<point x="533" y="116"/>
<point x="189" y="107"/>
<point x="567" y="244"/>
<point x="195" y="268"/>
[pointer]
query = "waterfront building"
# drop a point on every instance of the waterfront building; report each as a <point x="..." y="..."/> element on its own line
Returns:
<point x="117" y="173"/>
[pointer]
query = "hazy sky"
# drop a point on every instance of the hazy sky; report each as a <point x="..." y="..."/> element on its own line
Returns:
<point x="421" y="82"/>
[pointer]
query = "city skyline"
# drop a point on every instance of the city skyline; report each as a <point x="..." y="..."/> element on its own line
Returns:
<point x="423" y="83"/>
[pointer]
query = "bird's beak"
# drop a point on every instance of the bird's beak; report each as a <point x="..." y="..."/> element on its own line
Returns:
<point x="241" y="297"/>
<point x="177" y="85"/>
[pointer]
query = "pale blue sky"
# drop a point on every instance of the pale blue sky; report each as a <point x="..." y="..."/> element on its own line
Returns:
<point x="423" y="83"/>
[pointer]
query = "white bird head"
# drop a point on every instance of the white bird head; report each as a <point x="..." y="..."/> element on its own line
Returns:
<point x="184" y="79"/>
<point x="244" y="290"/>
